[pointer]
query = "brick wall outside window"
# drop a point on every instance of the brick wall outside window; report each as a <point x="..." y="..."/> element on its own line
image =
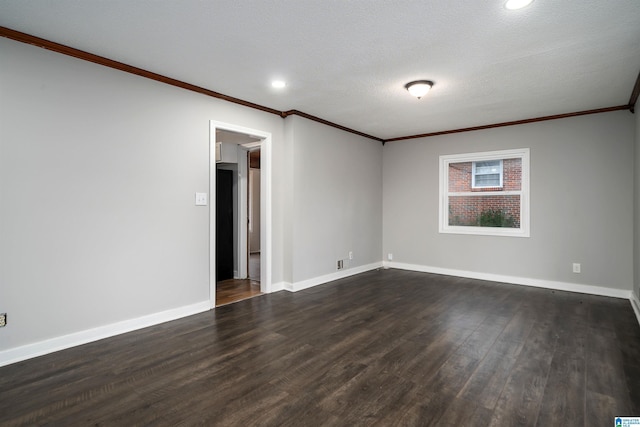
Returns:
<point x="465" y="210"/>
<point x="460" y="177"/>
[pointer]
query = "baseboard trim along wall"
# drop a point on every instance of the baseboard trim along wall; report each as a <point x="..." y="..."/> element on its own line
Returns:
<point x="277" y="287"/>
<point x="539" y="283"/>
<point x="41" y="348"/>
<point x="309" y="283"/>
<point x="635" y="303"/>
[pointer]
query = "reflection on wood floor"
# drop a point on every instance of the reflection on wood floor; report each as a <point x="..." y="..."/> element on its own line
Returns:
<point x="233" y="290"/>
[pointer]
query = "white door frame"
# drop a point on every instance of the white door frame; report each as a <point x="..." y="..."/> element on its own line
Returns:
<point x="265" y="204"/>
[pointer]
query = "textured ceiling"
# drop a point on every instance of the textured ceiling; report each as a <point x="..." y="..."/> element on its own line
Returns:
<point x="347" y="61"/>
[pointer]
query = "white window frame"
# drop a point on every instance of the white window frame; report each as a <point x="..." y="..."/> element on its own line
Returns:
<point x="474" y="174"/>
<point x="446" y="160"/>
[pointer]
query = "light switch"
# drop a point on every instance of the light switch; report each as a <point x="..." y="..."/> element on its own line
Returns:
<point x="201" y="199"/>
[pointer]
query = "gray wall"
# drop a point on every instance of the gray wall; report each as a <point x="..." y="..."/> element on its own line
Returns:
<point x="287" y="196"/>
<point x="98" y="171"/>
<point x="581" y="202"/>
<point x="636" y="247"/>
<point x="254" y="234"/>
<point x="336" y="199"/>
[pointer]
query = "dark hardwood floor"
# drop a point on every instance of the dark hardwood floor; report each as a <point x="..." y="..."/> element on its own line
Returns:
<point x="382" y="348"/>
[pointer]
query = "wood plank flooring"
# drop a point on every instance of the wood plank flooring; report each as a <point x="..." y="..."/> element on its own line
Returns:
<point x="383" y="348"/>
<point x="234" y="290"/>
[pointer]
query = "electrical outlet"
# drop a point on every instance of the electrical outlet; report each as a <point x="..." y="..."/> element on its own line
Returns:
<point x="340" y="264"/>
<point x="390" y="257"/>
<point x="350" y="254"/>
<point x="3" y="319"/>
<point x="576" y="267"/>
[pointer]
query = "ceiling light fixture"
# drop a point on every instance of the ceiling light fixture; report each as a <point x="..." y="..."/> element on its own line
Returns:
<point x="419" y="88"/>
<point x="517" y="4"/>
<point x="278" y="84"/>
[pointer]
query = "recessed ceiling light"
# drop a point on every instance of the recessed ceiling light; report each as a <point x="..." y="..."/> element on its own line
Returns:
<point x="278" y="84"/>
<point x="517" y="4"/>
<point x="419" y="88"/>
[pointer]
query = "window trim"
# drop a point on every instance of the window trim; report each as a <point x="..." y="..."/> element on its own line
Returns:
<point x="443" y="217"/>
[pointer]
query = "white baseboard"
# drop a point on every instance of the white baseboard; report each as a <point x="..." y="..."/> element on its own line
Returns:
<point x="51" y="345"/>
<point x="539" y="283"/>
<point x="309" y="283"/>
<point x="276" y="287"/>
<point x="635" y="304"/>
<point x="29" y="351"/>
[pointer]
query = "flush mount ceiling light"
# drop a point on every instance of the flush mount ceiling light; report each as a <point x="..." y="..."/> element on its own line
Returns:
<point x="419" y="88"/>
<point x="517" y="4"/>
<point x="278" y="84"/>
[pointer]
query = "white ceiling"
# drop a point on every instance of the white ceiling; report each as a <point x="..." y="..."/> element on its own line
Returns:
<point x="347" y="61"/>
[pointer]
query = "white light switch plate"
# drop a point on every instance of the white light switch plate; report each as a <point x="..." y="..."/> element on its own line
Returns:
<point x="201" y="199"/>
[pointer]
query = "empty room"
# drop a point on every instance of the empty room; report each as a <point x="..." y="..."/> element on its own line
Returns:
<point x="320" y="213"/>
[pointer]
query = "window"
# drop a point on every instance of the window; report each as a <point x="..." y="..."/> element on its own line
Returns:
<point x="487" y="174"/>
<point x="485" y="193"/>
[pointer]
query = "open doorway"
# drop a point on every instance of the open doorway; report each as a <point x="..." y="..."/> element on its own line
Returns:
<point x="240" y="230"/>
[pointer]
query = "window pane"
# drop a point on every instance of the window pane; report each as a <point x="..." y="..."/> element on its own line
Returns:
<point x="485" y="193"/>
<point x="485" y="211"/>
<point x="487" y="173"/>
<point x="492" y="166"/>
<point x="460" y="176"/>
<point x="492" y="180"/>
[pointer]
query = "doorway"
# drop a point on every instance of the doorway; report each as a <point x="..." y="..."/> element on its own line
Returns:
<point x="240" y="227"/>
